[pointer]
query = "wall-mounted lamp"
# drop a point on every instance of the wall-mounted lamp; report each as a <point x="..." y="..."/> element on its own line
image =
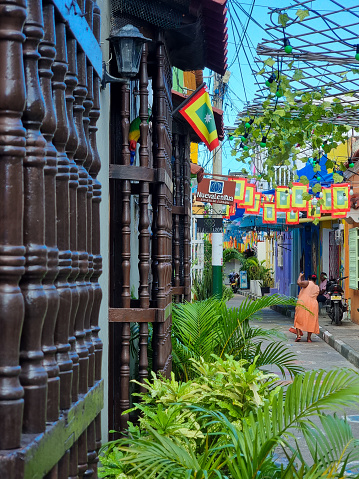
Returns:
<point x="127" y="43"/>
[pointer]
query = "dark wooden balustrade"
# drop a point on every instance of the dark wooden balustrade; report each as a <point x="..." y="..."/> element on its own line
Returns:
<point x="150" y="209"/>
<point x="51" y="392"/>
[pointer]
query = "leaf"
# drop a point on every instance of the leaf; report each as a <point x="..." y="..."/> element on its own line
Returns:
<point x="269" y="62"/>
<point x="298" y="75"/>
<point x="317" y="188"/>
<point x="303" y="179"/>
<point x="260" y="72"/>
<point x="283" y="19"/>
<point x="302" y="14"/>
<point x="279" y="111"/>
<point x="337" y="178"/>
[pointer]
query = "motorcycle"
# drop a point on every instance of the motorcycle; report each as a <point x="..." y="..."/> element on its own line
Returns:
<point x="336" y="304"/>
<point x="233" y="279"/>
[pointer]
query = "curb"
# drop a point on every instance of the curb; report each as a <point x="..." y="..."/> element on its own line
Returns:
<point x="343" y="348"/>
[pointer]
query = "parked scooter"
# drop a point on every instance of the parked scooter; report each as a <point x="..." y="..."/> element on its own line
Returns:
<point x="233" y="279"/>
<point x="336" y="304"/>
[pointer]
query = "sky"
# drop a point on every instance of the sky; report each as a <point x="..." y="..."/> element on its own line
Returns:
<point x="249" y="16"/>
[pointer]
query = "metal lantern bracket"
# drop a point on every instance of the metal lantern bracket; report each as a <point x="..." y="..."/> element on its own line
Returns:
<point x="107" y="78"/>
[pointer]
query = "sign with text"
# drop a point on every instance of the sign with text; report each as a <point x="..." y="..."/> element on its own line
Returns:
<point x="216" y="191"/>
<point x="209" y="225"/>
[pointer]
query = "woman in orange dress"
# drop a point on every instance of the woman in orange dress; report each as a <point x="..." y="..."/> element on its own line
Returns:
<point x="307" y="319"/>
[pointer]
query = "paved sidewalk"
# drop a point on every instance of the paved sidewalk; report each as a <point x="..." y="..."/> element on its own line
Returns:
<point x="344" y="338"/>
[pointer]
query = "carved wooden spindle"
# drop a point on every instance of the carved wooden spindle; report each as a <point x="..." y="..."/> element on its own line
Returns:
<point x="143" y="354"/>
<point x="160" y="158"/>
<point x="187" y="223"/>
<point x="73" y="461"/>
<point x="158" y="342"/>
<point x="80" y="93"/>
<point x="48" y="128"/>
<point x="94" y="170"/>
<point x="98" y="432"/>
<point x="124" y="402"/>
<point x="63" y="466"/>
<point x="82" y="455"/>
<point x="88" y="104"/>
<point x="33" y="375"/>
<point x="63" y="227"/>
<point x="12" y="260"/>
<point x="126" y="195"/>
<point x="144" y="223"/>
<point x="89" y="6"/>
<point x="176" y="236"/>
<point x="91" y="450"/>
<point x="71" y="147"/>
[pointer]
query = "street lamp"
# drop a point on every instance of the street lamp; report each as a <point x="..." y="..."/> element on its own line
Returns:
<point x="127" y="43"/>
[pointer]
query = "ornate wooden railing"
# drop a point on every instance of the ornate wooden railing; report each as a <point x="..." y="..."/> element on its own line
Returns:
<point x="145" y="232"/>
<point x="51" y="391"/>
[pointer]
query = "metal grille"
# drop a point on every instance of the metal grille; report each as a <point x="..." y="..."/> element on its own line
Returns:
<point x="324" y="47"/>
<point x="154" y="12"/>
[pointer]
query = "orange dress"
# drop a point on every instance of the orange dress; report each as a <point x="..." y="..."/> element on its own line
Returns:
<point x="303" y="319"/>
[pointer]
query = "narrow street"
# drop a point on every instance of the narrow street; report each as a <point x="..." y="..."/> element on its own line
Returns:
<point x="315" y="355"/>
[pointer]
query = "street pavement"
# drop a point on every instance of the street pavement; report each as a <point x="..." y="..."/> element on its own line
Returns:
<point x="318" y="354"/>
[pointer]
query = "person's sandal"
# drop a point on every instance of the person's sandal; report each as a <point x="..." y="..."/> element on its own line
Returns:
<point x="294" y="331"/>
<point x="297" y="339"/>
<point x="309" y="341"/>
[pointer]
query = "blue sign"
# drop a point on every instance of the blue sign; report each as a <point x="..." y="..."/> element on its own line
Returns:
<point x="243" y="280"/>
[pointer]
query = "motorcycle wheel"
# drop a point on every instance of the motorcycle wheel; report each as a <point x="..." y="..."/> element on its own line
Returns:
<point x="336" y="314"/>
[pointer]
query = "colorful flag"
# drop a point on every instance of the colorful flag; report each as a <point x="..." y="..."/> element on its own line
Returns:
<point x="314" y="212"/>
<point x="199" y="114"/>
<point x="327" y="206"/>
<point x="297" y="201"/>
<point x="249" y="198"/>
<point x="292" y="217"/>
<point x="240" y="192"/>
<point x="282" y="198"/>
<point x="340" y="197"/>
<point x="257" y="205"/>
<point x="269" y="213"/>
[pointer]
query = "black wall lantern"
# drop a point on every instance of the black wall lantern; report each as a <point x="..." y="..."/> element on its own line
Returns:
<point x="127" y="44"/>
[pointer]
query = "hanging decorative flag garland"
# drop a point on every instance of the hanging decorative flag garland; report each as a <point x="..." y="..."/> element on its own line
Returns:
<point x="249" y="197"/>
<point x="269" y="213"/>
<point x="282" y="198"/>
<point x="292" y="217"/>
<point x="241" y="184"/>
<point x="314" y="212"/>
<point x="257" y="205"/>
<point x="297" y="201"/>
<point x="340" y="197"/>
<point x="327" y="206"/>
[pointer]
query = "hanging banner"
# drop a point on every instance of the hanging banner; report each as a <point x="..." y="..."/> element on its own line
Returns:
<point x="339" y="214"/>
<point x="240" y="191"/>
<point x="269" y="213"/>
<point x="282" y="198"/>
<point x="249" y="197"/>
<point x="340" y="197"/>
<point x="292" y="217"/>
<point x="327" y="207"/>
<point x="297" y="201"/>
<point x="216" y="191"/>
<point x="257" y="205"/>
<point x="314" y="212"/>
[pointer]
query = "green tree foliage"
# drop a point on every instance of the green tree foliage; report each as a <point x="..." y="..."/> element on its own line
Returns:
<point x="293" y="123"/>
<point x="204" y="328"/>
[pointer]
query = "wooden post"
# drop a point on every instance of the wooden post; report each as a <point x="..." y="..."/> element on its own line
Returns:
<point x="12" y="260"/>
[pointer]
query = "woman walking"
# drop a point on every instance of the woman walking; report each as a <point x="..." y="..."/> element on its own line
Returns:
<point x="306" y="319"/>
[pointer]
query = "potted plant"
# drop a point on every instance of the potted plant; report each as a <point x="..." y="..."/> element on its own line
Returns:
<point x="265" y="279"/>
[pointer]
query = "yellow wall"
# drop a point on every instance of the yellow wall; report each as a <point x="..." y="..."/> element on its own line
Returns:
<point x="339" y="154"/>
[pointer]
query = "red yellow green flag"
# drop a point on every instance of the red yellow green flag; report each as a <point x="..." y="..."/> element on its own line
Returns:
<point x="199" y="114"/>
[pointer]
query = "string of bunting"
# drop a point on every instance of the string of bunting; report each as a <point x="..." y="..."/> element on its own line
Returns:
<point x="289" y="200"/>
